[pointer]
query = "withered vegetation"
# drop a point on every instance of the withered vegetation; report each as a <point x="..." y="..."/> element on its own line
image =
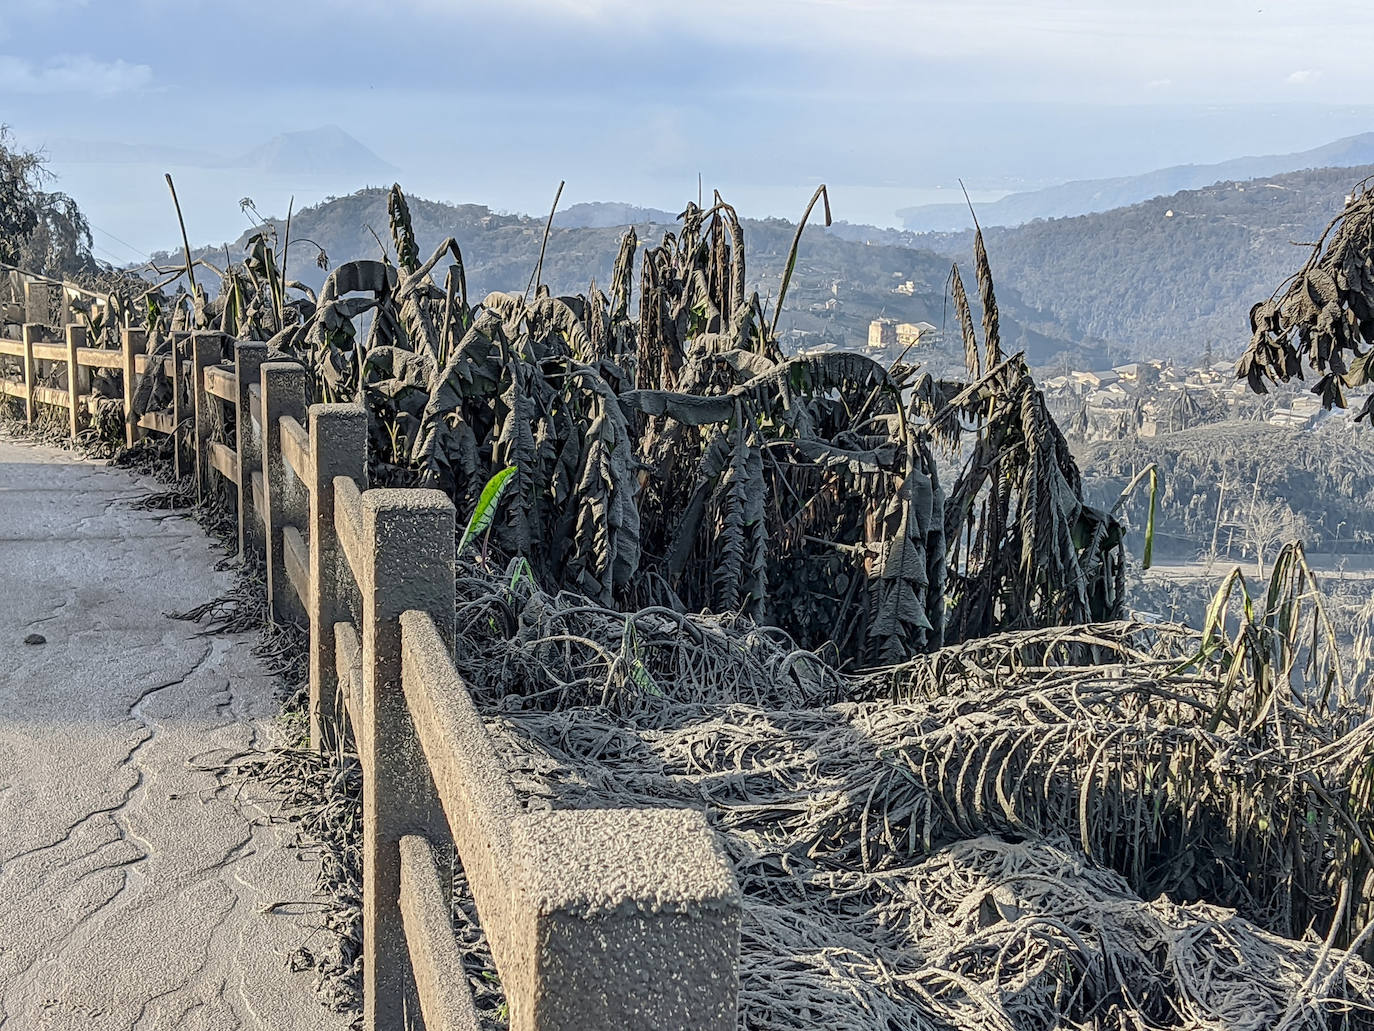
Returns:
<point x="1325" y="315"/>
<point x="958" y="787"/>
<point x="670" y="455"/>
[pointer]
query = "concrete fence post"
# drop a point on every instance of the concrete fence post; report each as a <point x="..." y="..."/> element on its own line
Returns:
<point x="64" y="308"/>
<point x="28" y="333"/>
<point x="38" y="302"/>
<point x="408" y="565"/>
<point x="629" y="918"/>
<point x="179" y="345"/>
<point x="338" y="447"/>
<point x="206" y="350"/>
<point x="248" y="359"/>
<point x="76" y="376"/>
<point x="135" y="342"/>
<point x="284" y="503"/>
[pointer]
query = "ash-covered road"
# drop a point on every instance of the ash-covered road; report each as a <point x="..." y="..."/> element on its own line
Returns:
<point x="136" y="891"/>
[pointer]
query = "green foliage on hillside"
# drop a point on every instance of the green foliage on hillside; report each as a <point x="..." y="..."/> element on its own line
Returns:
<point x="501" y="249"/>
<point x="1152" y="284"/>
<point x="1326" y="476"/>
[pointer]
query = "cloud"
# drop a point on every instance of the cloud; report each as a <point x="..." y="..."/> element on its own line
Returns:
<point x="72" y="74"/>
<point x="1303" y="76"/>
<point x="1049" y="50"/>
<point x="19" y="20"/>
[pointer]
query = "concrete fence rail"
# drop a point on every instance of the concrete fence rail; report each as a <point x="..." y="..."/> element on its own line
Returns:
<point x="597" y="919"/>
<point x="41" y="348"/>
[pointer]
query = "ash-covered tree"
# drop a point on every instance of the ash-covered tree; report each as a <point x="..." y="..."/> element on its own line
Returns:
<point x="1324" y="319"/>
<point x="41" y="231"/>
<point x="1264" y="525"/>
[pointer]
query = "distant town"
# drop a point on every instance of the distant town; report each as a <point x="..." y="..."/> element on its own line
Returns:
<point x="1143" y="398"/>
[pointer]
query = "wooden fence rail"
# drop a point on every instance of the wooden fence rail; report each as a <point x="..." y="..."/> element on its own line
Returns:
<point x="598" y="920"/>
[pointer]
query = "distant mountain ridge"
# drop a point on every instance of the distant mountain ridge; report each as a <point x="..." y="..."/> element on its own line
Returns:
<point x="608" y="214"/>
<point x="1088" y="196"/>
<point x="328" y="149"/>
<point x="839" y="285"/>
<point x="1170" y="276"/>
<point x="118" y="152"/>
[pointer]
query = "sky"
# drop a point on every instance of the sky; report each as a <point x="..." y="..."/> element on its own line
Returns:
<point x="496" y="101"/>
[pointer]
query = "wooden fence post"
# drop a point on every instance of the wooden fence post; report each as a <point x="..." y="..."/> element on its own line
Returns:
<point x="408" y="550"/>
<point x="338" y="447"/>
<point x="135" y="343"/>
<point x="283" y="502"/>
<point x="76" y="378"/>
<point x="29" y="331"/>
<point x="248" y="358"/>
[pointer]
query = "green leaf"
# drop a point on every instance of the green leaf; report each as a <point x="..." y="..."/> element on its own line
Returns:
<point x="639" y="673"/>
<point x="485" y="511"/>
<point x="521" y="570"/>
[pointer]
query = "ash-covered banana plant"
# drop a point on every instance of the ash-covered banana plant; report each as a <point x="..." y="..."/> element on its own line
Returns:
<point x="678" y="459"/>
<point x="1325" y="316"/>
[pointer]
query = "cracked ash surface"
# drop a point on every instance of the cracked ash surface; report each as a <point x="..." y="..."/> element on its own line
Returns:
<point x="135" y="892"/>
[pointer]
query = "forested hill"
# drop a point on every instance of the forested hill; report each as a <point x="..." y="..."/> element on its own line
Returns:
<point x="500" y="252"/>
<point x="1165" y="277"/>
<point x="1162" y="278"/>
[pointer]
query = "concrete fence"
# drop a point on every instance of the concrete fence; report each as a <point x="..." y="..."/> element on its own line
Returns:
<point x="597" y="919"/>
<point x="39" y="350"/>
<point x="42" y="347"/>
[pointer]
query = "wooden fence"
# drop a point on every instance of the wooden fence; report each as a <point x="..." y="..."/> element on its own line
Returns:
<point x="597" y="919"/>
